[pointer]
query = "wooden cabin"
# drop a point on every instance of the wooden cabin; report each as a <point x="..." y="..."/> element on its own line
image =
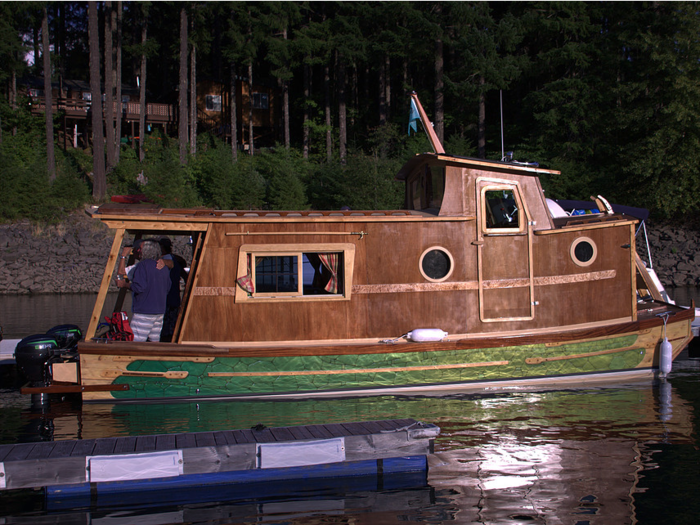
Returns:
<point x="475" y="251"/>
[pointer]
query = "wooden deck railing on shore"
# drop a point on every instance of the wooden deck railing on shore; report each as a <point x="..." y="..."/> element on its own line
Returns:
<point x="130" y="111"/>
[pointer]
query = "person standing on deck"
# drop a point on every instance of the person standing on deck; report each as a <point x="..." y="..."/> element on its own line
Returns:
<point x="149" y="287"/>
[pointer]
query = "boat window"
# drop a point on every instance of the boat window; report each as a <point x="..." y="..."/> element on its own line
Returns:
<point x="436" y="264"/>
<point x="501" y="209"/>
<point x="285" y="273"/>
<point x="426" y="189"/>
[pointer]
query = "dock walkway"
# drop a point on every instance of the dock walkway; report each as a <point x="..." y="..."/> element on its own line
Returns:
<point x="136" y="463"/>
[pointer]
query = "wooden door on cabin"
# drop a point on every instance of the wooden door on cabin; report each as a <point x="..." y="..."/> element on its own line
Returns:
<point x="504" y="252"/>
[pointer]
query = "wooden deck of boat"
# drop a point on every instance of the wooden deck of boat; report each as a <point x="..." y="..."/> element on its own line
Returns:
<point x="31" y="465"/>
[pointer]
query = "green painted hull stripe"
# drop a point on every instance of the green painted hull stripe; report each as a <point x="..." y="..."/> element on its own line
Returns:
<point x="229" y="376"/>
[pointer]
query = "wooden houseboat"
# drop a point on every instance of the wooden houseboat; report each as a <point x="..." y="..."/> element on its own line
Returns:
<point x="475" y="284"/>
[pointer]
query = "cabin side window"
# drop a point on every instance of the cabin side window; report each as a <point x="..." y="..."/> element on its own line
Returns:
<point x="426" y="189"/>
<point x="286" y="272"/>
<point x="501" y="210"/>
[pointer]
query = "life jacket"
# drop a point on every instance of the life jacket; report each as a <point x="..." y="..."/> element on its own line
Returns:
<point x="119" y="328"/>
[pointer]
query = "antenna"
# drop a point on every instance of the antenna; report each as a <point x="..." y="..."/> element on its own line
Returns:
<point x="503" y="150"/>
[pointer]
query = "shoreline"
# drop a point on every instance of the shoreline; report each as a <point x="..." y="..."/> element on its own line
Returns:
<point x="69" y="257"/>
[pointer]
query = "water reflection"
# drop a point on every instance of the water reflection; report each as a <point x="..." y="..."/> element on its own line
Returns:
<point x="580" y="456"/>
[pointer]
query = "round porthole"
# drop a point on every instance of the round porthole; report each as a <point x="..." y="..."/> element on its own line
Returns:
<point x="583" y="251"/>
<point x="436" y="264"/>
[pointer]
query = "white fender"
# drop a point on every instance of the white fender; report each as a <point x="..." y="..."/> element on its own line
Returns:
<point x="423" y="335"/>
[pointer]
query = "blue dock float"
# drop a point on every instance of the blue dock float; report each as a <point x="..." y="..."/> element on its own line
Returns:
<point x="248" y="463"/>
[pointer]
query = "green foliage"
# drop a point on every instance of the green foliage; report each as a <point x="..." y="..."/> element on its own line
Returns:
<point x="284" y="170"/>
<point x="363" y="183"/>
<point x="26" y="190"/>
<point x="608" y="93"/>
<point x="169" y="183"/>
<point x="224" y="184"/>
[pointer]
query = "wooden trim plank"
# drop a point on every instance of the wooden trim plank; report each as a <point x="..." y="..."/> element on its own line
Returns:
<point x="104" y="286"/>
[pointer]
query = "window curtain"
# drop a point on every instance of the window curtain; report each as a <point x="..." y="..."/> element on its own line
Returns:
<point x="330" y="261"/>
<point x="246" y="281"/>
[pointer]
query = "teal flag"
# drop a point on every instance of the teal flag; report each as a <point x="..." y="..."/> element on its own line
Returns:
<point x="413" y="117"/>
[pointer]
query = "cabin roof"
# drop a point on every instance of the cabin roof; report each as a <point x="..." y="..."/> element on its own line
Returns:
<point x="469" y="162"/>
<point x="144" y="212"/>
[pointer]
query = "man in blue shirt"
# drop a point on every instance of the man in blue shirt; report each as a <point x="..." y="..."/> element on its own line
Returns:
<point x="149" y="286"/>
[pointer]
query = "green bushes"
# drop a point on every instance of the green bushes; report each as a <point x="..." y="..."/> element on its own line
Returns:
<point x="26" y="190"/>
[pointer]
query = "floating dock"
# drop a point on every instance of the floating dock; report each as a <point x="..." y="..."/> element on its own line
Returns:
<point x="7" y="351"/>
<point x="95" y="471"/>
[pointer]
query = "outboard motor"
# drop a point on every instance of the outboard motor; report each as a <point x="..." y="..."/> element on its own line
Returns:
<point x="33" y="356"/>
<point x="67" y="336"/>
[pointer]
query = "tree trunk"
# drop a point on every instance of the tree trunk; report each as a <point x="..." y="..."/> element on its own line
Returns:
<point x="109" y="86"/>
<point x="382" y="94"/>
<point x="387" y="96"/>
<point x="307" y="99"/>
<point x="48" y="97"/>
<point x="193" y="100"/>
<point x="13" y="97"/>
<point x="118" y="82"/>
<point x="439" y="95"/>
<point x="285" y="103"/>
<point x="342" y="112"/>
<point x="234" y="115"/>
<point x="142" y="91"/>
<point x="99" y="181"/>
<point x="329" y="136"/>
<point x="481" y="128"/>
<point x="251" y="141"/>
<point x="182" y="122"/>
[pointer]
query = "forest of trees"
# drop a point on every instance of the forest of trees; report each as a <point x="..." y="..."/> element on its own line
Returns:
<point x="606" y="92"/>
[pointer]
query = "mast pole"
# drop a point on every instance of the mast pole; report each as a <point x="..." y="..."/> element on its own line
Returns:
<point x="427" y="125"/>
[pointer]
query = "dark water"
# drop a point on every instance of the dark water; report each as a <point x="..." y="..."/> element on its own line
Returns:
<point x="610" y="454"/>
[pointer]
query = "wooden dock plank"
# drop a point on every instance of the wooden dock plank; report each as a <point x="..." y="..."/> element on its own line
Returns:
<point x="63" y="449"/>
<point x="41" y="450"/>
<point x="220" y="438"/>
<point x="300" y="433"/>
<point x="264" y="436"/>
<point x="244" y="436"/>
<point x="185" y="441"/>
<point x="336" y="430"/>
<point x="387" y="425"/>
<point x="145" y="444"/>
<point x="371" y="427"/>
<point x="20" y="452"/>
<point x="205" y="439"/>
<point x="165" y="442"/>
<point x="84" y="447"/>
<point x="354" y="429"/>
<point x="230" y="437"/>
<point x="319" y="432"/>
<point x="125" y="445"/>
<point x="104" y="446"/>
<point x="4" y="451"/>
<point x="282" y="434"/>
